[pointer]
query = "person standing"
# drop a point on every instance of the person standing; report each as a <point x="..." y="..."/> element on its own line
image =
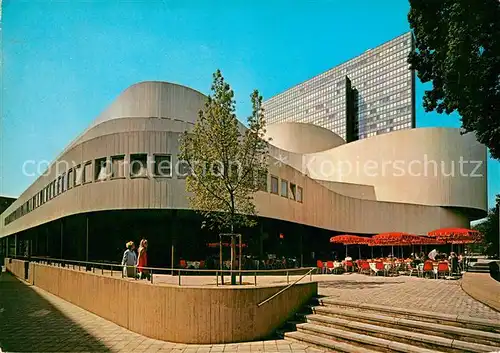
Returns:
<point x="129" y="260"/>
<point x="432" y="255"/>
<point x="142" y="259"/>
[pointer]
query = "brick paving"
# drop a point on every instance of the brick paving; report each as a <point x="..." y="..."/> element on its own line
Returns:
<point x="444" y="296"/>
<point x="33" y="320"/>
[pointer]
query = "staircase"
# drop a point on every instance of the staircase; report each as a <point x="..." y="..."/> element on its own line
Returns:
<point x="342" y="326"/>
<point x="480" y="267"/>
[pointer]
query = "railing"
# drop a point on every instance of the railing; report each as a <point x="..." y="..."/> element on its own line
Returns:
<point x="113" y="269"/>
<point x="287" y="287"/>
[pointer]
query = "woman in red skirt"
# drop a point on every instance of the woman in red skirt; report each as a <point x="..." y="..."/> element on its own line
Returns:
<point x="142" y="259"/>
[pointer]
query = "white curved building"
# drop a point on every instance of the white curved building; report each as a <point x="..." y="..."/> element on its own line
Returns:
<point x="317" y="184"/>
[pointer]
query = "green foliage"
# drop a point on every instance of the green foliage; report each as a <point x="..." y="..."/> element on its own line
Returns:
<point x="227" y="161"/>
<point x="490" y="230"/>
<point x="458" y="49"/>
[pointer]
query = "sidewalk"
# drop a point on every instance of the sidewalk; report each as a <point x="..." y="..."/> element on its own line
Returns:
<point x="32" y="320"/>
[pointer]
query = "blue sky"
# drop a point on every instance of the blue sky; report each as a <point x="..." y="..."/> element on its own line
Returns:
<point x="65" y="61"/>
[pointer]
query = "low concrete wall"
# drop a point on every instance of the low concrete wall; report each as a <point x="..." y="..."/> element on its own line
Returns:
<point x="200" y="315"/>
<point x="482" y="287"/>
<point x="16" y="267"/>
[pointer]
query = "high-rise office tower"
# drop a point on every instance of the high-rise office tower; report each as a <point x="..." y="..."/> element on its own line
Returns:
<point x="372" y="94"/>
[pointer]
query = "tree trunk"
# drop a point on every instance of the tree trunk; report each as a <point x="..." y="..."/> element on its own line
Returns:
<point x="233" y="257"/>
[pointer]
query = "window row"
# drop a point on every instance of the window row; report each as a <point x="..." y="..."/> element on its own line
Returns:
<point x="115" y="167"/>
<point x="288" y="190"/>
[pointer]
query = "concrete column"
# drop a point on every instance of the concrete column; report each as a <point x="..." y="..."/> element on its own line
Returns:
<point x="15" y="245"/>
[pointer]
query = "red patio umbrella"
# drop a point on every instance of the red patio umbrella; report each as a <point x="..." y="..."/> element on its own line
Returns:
<point x="457" y="235"/>
<point x="348" y="239"/>
<point x="393" y="238"/>
<point x="427" y="241"/>
<point x="451" y="234"/>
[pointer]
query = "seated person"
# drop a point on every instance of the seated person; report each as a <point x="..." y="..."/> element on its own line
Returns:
<point x="346" y="260"/>
<point x="422" y="257"/>
<point x="415" y="260"/>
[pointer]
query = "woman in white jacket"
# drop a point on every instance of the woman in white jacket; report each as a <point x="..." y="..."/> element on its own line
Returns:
<point x="129" y="260"/>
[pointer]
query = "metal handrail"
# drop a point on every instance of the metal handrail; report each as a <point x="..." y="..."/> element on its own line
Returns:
<point x="286" y="288"/>
<point x="297" y="269"/>
<point x="218" y="272"/>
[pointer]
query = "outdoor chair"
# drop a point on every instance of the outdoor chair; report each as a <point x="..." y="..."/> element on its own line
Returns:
<point x="443" y="269"/>
<point x="427" y="268"/>
<point x="349" y="266"/>
<point x="411" y="269"/>
<point x="364" y="267"/>
<point x="337" y="267"/>
<point x="329" y="266"/>
<point x="320" y="266"/>
<point x="379" y="267"/>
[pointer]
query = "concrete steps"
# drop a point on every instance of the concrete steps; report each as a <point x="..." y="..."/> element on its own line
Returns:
<point x="427" y="316"/>
<point x="480" y="267"/>
<point x="441" y="330"/>
<point x="354" y="327"/>
<point x="325" y="343"/>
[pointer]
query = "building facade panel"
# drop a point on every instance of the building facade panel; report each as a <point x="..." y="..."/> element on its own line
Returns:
<point x="384" y="90"/>
<point x="429" y="166"/>
<point x="305" y="201"/>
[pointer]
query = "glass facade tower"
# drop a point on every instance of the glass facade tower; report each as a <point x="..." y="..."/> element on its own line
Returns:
<point x="369" y="95"/>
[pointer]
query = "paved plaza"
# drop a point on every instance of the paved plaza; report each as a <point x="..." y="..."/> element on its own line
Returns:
<point x="32" y="320"/>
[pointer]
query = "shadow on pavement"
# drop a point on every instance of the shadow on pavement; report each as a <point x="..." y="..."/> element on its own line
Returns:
<point x="29" y="323"/>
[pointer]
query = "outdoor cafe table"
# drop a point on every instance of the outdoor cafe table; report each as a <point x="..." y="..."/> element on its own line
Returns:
<point x="387" y="266"/>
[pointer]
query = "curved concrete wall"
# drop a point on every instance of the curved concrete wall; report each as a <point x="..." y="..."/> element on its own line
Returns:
<point x="155" y="99"/>
<point x="197" y="315"/>
<point x="364" y="204"/>
<point x="428" y="166"/>
<point x="302" y="138"/>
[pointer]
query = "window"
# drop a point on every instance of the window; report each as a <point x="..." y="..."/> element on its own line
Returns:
<point x="284" y="188"/>
<point x="78" y="175"/>
<point x="293" y="190"/>
<point x="118" y="167"/>
<point x="60" y="185"/>
<point x="63" y="182"/>
<point x="262" y="182"/>
<point x="183" y="169"/>
<point x="274" y="185"/>
<point x="56" y="187"/>
<point x="100" y="169"/>
<point x="138" y="165"/>
<point x="299" y="194"/>
<point x="162" y="165"/>
<point x="70" y="179"/>
<point x="87" y="173"/>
